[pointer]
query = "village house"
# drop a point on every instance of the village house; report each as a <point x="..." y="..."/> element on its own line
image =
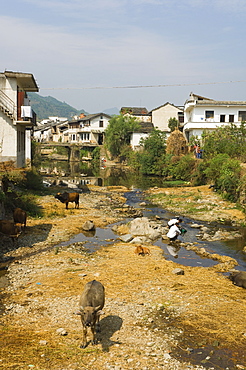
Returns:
<point x="160" y="116"/>
<point x="16" y="116"/>
<point x="53" y="129"/>
<point x="157" y="118"/>
<point x="89" y="129"/>
<point x="140" y="113"/>
<point x="141" y="133"/>
<point x="204" y="114"/>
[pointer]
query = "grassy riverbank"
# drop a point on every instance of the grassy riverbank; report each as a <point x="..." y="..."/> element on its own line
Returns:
<point x="199" y="202"/>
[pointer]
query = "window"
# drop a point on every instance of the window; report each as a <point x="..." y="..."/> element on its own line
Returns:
<point x="85" y="136"/>
<point x="242" y="115"/>
<point x="222" y="118"/>
<point x="209" y="114"/>
<point x="181" y="117"/>
<point x="231" y="117"/>
<point x="100" y="123"/>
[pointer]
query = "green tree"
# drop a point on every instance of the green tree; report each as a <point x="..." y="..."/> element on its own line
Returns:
<point x="173" y="123"/>
<point x="118" y="133"/>
<point x="224" y="172"/>
<point x="152" y="157"/>
<point x="229" y="139"/>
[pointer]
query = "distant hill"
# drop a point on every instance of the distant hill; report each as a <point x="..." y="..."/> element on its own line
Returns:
<point x="112" y="111"/>
<point x="47" y="106"/>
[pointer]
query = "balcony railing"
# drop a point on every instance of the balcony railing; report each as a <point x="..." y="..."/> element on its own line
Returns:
<point x="7" y="105"/>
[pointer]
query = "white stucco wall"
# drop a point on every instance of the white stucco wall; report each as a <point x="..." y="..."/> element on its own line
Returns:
<point x="28" y="145"/>
<point x="195" y="121"/>
<point x="161" y="116"/>
<point x="95" y="123"/>
<point x="8" y="139"/>
<point x="198" y="114"/>
<point x="136" y="137"/>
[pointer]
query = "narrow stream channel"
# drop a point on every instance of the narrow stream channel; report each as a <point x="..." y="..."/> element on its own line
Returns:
<point x="102" y="237"/>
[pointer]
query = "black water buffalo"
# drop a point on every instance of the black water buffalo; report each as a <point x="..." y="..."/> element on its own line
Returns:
<point x="238" y="278"/>
<point x="68" y="197"/>
<point x="90" y="308"/>
<point x="20" y="217"/>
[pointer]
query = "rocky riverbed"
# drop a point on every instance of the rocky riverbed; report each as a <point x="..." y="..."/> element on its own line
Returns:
<point x="158" y="314"/>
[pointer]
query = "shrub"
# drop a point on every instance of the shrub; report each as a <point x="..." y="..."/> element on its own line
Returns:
<point x="182" y="168"/>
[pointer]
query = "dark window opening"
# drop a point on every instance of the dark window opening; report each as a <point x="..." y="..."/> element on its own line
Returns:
<point x="209" y="114"/>
<point x="242" y="115"/>
<point x="222" y="118"/>
<point x="181" y="117"/>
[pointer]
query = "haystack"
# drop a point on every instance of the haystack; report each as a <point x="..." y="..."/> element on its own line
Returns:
<point x="176" y="143"/>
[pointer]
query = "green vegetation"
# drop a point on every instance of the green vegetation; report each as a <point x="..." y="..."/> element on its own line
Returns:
<point x="95" y="162"/>
<point x="48" y="106"/>
<point x="152" y="158"/>
<point x="61" y="150"/>
<point x="173" y="123"/>
<point x="224" y="149"/>
<point x="28" y="186"/>
<point x="118" y="135"/>
<point x="229" y="139"/>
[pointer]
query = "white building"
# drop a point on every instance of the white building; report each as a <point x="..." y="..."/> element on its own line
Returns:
<point x="89" y="129"/>
<point x="140" y="113"/>
<point x="160" y="116"/>
<point x="16" y="116"/>
<point x="202" y="114"/>
<point x="141" y="133"/>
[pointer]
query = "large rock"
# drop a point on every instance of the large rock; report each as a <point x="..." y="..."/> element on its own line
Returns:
<point x="144" y="227"/>
<point x="88" y="226"/>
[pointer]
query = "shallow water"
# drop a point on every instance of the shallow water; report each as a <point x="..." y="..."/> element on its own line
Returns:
<point x="102" y="237"/>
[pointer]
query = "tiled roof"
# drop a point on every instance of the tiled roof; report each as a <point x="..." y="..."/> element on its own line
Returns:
<point x="219" y="102"/>
<point x="167" y="103"/>
<point x="145" y="127"/>
<point x="134" y="111"/>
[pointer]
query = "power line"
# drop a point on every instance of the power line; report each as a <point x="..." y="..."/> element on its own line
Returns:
<point x="139" y="86"/>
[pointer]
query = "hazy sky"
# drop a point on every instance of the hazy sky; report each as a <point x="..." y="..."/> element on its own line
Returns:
<point x="88" y="53"/>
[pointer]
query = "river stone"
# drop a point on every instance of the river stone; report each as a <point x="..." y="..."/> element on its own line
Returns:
<point x="88" y="226"/>
<point x="204" y="229"/>
<point x="140" y="240"/>
<point x="61" y="331"/>
<point x="126" y="238"/>
<point x="206" y="236"/>
<point x="43" y="342"/>
<point x="178" y="271"/>
<point x="143" y="204"/>
<point x="143" y="227"/>
<point x="196" y="226"/>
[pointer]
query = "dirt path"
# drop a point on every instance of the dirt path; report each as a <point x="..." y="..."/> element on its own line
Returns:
<point x="152" y="315"/>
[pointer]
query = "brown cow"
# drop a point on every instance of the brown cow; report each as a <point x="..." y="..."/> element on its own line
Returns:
<point x="68" y="197"/>
<point x="90" y="308"/>
<point x="20" y="217"/>
<point x="142" y="251"/>
<point x="9" y="228"/>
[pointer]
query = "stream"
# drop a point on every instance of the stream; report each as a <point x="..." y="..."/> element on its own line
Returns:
<point x="101" y="237"/>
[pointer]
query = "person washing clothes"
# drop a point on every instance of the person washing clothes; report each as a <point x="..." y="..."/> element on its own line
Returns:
<point x="174" y="231"/>
<point x="174" y="221"/>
